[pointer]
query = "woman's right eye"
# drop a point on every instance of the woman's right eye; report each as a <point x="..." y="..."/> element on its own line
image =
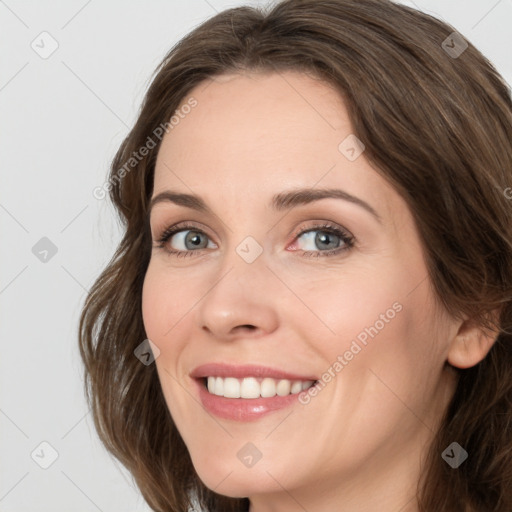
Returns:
<point x="185" y="239"/>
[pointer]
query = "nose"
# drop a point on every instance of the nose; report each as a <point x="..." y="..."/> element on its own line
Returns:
<point x="241" y="302"/>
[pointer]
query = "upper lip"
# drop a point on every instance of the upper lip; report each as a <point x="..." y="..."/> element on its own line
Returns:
<point x="244" y="370"/>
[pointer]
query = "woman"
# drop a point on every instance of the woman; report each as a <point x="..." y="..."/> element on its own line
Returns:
<point x="310" y="308"/>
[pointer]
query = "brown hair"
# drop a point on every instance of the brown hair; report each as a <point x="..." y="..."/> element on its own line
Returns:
<point x="437" y="126"/>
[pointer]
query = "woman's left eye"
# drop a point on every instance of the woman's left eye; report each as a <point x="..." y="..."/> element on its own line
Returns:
<point x="329" y="239"/>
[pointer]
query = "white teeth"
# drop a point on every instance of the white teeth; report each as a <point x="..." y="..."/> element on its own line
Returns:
<point x="283" y="387"/>
<point x="211" y="385"/>
<point x="219" y="386"/>
<point x="296" y="387"/>
<point x="231" y="387"/>
<point x="251" y="387"/>
<point x="307" y="384"/>
<point x="268" y="388"/>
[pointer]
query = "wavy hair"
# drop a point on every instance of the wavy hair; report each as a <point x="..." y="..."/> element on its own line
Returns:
<point x="437" y="126"/>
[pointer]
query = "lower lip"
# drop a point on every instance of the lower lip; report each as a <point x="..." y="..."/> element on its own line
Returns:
<point x="243" y="409"/>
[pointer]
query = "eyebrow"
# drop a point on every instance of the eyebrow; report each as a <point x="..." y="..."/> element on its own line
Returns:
<point x="280" y="202"/>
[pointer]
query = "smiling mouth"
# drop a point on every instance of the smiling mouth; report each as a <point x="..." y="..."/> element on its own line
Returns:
<point x="253" y="387"/>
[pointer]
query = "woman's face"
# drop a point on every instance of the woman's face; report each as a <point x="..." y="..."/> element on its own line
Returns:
<point x="272" y="289"/>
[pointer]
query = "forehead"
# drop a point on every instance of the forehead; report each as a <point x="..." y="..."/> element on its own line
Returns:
<point x="264" y="132"/>
<point x="250" y="120"/>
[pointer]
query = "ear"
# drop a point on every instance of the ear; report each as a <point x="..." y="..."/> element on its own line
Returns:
<point x="472" y="343"/>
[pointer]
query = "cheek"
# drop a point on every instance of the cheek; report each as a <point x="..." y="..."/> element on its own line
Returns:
<point x="153" y="298"/>
<point x="168" y="299"/>
<point x="401" y="357"/>
<point x="359" y="305"/>
<point x="164" y="301"/>
<point x="381" y="321"/>
<point x="163" y="304"/>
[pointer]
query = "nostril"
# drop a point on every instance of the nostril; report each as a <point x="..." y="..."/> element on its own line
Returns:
<point x="243" y="327"/>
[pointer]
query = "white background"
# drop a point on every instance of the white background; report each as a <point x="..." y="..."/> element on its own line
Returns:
<point x="62" y="120"/>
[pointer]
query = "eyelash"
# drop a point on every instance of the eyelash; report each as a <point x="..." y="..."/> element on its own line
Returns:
<point x="344" y="236"/>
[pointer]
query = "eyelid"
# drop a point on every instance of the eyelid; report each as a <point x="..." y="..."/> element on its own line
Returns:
<point x="181" y="226"/>
<point x="346" y="237"/>
<point x="320" y="225"/>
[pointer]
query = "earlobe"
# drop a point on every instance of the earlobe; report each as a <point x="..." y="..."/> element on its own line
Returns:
<point x="471" y="345"/>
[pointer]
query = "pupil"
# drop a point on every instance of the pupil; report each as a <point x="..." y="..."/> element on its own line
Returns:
<point x="324" y="238"/>
<point x="194" y="239"/>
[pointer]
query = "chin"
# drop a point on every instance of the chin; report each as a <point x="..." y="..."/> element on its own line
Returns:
<point x="224" y="477"/>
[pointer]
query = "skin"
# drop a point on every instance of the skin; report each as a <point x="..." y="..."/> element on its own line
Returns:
<point x="358" y="444"/>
